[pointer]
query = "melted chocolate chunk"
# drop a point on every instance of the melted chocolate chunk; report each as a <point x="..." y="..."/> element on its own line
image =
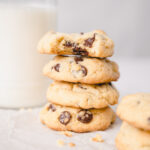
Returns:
<point x="89" y="42"/>
<point x="51" y="107"/>
<point x="69" y="44"/>
<point x="80" y="86"/>
<point x="56" y="67"/>
<point x="81" y="33"/>
<point x="85" y="116"/>
<point x="79" y="51"/>
<point x="65" y="117"/>
<point x="76" y="49"/>
<point x="84" y="70"/>
<point x="77" y="59"/>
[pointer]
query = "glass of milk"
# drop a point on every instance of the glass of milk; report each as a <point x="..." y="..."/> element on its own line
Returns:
<point x="22" y="23"/>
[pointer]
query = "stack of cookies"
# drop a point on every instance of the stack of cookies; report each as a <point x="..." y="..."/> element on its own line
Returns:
<point x="134" y="134"/>
<point x="79" y="97"/>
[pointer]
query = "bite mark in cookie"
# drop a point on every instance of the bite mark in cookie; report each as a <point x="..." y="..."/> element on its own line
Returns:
<point x="85" y="116"/>
<point x="69" y="44"/>
<point x="75" y="48"/>
<point x="86" y="44"/>
<point x="65" y="117"/>
<point x="80" y="51"/>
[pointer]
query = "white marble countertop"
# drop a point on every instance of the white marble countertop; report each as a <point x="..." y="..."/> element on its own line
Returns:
<point x="22" y="130"/>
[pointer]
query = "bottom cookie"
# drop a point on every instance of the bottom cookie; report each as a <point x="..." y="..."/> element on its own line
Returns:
<point x="77" y="120"/>
<point x="131" y="138"/>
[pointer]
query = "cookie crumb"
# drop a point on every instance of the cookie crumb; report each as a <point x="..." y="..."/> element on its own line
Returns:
<point x="60" y="143"/>
<point x="98" y="138"/>
<point x="72" y="145"/>
<point x="66" y="133"/>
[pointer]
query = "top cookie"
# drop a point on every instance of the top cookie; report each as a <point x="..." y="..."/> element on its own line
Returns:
<point x="93" y="44"/>
<point x="135" y="109"/>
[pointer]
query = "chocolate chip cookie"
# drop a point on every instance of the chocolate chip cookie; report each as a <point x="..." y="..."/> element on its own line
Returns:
<point x="81" y="69"/>
<point x="82" y="95"/>
<point x="93" y="44"/>
<point x="131" y="138"/>
<point x="135" y="109"/>
<point x="77" y="120"/>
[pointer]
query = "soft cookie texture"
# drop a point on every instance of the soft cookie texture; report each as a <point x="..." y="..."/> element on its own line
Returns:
<point x="81" y="69"/>
<point x="135" y="109"/>
<point x="63" y="118"/>
<point x="131" y="138"/>
<point x="93" y="44"/>
<point x="82" y="95"/>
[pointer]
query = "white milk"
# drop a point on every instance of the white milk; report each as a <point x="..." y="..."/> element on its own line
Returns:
<point x="21" y="81"/>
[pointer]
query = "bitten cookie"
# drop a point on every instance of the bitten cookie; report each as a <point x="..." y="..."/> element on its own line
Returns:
<point x="131" y="138"/>
<point x="93" y="44"/>
<point x="135" y="109"/>
<point x="77" y="120"/>
<point x="82" y="95"/>
<point x="81" y="69"/>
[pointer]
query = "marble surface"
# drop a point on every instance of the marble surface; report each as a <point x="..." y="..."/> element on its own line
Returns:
<point x="22" y="130"/>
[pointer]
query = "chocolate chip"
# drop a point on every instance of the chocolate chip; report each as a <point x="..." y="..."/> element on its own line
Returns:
<point x="148" y="120"/>
<point x="84" y="116"/>
<point x="89" y="42"/>
<point x="77" y="59"/>
<point x="65" y="117"/>
<point x="84" y="70"/>
<point x="138" y="102"/>
<point x="99" y="84"/>
<point x="69" y="44"/>
<point x="56" y="67"/>
<point x="110" y="83"/>
<point x="80" y="72"/>
<point x="81" y="33"/>
<point x="51" y="107"/>
<point x="80" y="51"/>
<point x="79" y="85"/>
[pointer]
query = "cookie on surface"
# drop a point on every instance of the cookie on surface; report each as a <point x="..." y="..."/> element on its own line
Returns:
<point x="93" y="44"/>
<point x="131" y="138"/>
<point x="63" y="118"/>
<point x="82" y="95"/>
<point x="135" y="109"/>
<point x="81" y="69"/>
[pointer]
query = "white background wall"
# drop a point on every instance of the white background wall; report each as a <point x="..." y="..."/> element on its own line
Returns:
<point x="127" y="22"/>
